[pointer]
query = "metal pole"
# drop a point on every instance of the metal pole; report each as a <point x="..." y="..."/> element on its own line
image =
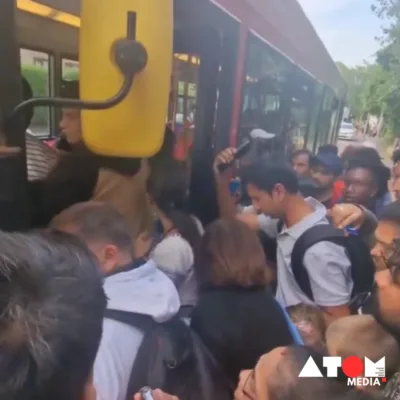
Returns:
<point x="14" y="212"/>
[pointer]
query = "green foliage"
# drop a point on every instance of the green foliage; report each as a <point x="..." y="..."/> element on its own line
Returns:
<point x="386" y="88"/>
<point x="71" y="74"/>
<point x="38" y="77"/>
<point x="375" y="88"/>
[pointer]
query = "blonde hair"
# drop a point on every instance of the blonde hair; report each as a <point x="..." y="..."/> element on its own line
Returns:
<point x="310" y="323"/>
<point x="362" y="336"/>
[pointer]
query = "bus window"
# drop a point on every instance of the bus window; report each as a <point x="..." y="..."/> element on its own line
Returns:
<point x="70" y="69"/>
<point x="35" y="67"/>
<point x="184" y="98"/>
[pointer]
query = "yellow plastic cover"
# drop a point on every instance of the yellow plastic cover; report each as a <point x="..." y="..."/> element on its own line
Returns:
<point x="135" y="127"/>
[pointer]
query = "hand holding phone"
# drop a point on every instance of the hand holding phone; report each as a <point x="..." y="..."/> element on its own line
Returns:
<point x="146" y="393"/>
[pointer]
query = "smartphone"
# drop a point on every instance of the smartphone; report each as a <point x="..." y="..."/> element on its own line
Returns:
<point x="146" y="393"/>
<point x="234" y="186"/>
<point x="241" y="151"/>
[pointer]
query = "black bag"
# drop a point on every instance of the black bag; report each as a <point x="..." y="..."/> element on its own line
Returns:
<point x="172" y="358"/>
<point x="362" y="265"/>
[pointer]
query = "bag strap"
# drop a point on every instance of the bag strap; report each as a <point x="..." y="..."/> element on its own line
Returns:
<point x="185" y="311"/>
<point x="311" y="236"/>
<point x="142" y="322"/>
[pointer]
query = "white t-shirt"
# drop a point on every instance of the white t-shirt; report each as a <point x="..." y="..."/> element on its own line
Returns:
<point x="327" y="264"/>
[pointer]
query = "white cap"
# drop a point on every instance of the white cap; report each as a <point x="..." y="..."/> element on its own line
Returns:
<point x="370" y="145"/>
<point x="261" y="134"/>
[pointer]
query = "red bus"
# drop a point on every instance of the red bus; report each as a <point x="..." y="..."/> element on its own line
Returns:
<point x="237" y="64"/>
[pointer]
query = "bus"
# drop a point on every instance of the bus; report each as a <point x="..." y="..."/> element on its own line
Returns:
<point x="236" y="65"/>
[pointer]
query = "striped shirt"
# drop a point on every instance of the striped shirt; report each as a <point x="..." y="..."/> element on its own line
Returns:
<point x="40" y="158"/>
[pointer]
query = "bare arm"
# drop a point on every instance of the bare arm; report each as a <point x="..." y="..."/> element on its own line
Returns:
<point x="226" y="202"/>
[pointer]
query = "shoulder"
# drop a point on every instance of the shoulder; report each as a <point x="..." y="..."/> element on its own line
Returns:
<point x="326" y="253"/>
<point x="326" y="249"/>
<point x="173" y="252"/>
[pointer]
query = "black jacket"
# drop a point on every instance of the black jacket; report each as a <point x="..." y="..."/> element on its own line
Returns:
<point x="239" y="325"/>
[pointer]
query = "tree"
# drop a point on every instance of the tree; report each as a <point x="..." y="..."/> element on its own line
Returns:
<point x="388" y="59"/>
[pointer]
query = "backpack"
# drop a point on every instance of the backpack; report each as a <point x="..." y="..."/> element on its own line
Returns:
<point x="173" y="358"/>
<point x="362" y="265"/>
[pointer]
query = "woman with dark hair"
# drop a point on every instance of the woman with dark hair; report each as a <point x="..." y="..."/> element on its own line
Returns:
<point x="237" y="316"/>
<point x="178" y="232"/>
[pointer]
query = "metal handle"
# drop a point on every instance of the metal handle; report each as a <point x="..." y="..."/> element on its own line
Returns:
<point x="130" y="57"/>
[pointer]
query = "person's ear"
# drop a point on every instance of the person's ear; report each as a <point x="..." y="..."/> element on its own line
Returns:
<point x="110" y="261"/>
<point x="278" y="192"/>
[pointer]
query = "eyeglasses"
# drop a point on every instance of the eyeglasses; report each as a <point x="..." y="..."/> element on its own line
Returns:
<point x="392" y="259"/>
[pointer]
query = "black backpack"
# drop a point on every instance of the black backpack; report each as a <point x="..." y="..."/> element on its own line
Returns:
<point x="173" y="358"/>
<point x="362" y="265"/>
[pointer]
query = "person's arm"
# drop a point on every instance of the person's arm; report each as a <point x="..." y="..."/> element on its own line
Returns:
<point x="226" y="202"/>
<point x="345" y="215"/>
<point x="329" y="271"/>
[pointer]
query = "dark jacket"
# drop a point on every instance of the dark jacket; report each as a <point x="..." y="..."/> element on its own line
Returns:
<point x="239" y="325"/>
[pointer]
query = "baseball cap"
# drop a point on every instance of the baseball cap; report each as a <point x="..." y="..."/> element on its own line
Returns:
<point x="330" y="161"/>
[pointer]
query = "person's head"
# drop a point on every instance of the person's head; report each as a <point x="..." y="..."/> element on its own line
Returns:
<point x="387" y="234"/>
<point x="231" y="254"/>
<point x="361" y="154"/>
<point x="167" y="189"/>
<point x="51" y="313"/>
<point x="276" y="377"/>
<point x="270" y="184"/>
<point x="325" y="169"/>
<point x="362" y="336"/>
<point x="310" y="323"/>
<point x="104" y="230"/>
<point x="396" y="174"/>
<point x="70" y="123"/>
<point x="328" y="149"/>
<point x="301" y="162"/>
<point x="365" y="181"/>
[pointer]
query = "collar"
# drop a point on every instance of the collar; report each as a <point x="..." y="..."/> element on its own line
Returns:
<point x="307" y="222"/>
<point x="129" y="267"/>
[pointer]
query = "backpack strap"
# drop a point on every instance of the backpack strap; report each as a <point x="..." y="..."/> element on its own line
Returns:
<point x="313" y="235"/>
<point x="140" y="321"/>
<point x="185" y="311"/>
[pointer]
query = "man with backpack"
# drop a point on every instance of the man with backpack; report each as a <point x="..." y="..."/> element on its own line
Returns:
<point x="136" y="289"/>
<point x="314" y="265"/>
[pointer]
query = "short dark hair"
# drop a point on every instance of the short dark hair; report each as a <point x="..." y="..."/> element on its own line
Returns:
<point x="396" y="156"/>
<point x="391" y="213"/>
<point x="97" y="222"/>
<point x="301" y="152"/>
<point x="328" y="148"/>
<point x="168" y="188"/>
<point x="266" y="174"/>
<point x="51" y="316"/>
<point x="231" y="254"/>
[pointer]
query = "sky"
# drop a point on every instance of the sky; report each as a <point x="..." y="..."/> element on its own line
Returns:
<point x="348" y="28"/>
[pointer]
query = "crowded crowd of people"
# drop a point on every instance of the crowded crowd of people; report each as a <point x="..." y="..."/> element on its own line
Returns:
<point x="120" y="293"/>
